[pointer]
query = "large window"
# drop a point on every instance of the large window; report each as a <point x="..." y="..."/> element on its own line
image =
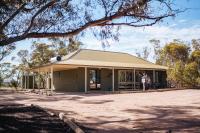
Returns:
<point x="125" y="78"/>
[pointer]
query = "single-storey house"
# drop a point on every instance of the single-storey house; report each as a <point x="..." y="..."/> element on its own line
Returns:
<point x="93" y="70"/>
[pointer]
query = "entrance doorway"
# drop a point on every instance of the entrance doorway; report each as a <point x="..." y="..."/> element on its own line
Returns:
<point x="95" y="79"/>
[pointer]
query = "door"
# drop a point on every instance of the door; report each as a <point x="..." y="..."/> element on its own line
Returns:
<point x="95" y="79"/>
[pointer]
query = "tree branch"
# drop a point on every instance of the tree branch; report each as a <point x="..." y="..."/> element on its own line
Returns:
<point x="123" y="11"/>
<point x="11" y="17"/>
<point x="37" y="13"/>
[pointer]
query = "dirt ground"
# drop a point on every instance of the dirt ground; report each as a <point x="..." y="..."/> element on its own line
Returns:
<point x="159" y="112"/>
<point x="17" y="118"/>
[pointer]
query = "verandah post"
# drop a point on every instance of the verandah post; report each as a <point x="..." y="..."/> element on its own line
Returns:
<point x="113" y="79"/>
<point x="28" y="81"/>
<point x="85" y="79"/>
<point x="154" y="78"/>
<point x="33" y="81"/>
<point x="52" y="87"/>
<point x="134" y="80"/>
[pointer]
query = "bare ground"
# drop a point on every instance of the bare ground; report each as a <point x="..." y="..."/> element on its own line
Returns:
<point x="16" y="118"/>
<point x="159" y="112"/>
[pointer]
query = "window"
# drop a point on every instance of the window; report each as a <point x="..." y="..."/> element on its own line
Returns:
<point x="125" y="76"/>
<point x="125" y="79"/>
<point x="95" y="79"/>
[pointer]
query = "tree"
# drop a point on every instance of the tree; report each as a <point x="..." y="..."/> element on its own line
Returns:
<point x="5" y="71"/>
<point x="195" y="55"/>
<point x="196" y="44"/>
<point x="191" y="75"/>
<point x="176" y="55"/>
<point x="182" y="62"/>
<point x="41" y="54"/>
<point x="5" y="51"/>
<point x="21" y="19"/>
<point x="24" y="57"/>
<point x="157" y="50"/>
<point x="173" y="52"/>
<point x="73" y="45"/>
<point x="60" y="46"/>
<point x="144" y="53"/>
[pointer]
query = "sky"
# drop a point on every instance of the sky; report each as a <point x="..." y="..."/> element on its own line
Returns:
<point x="185" y="26"/>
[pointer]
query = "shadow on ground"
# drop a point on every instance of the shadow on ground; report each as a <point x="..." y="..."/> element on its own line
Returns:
<point x="156" y="119"/>
<point x="23" y="119"/>
<point x="150" y="119"/>
<point x="171" y="118"/>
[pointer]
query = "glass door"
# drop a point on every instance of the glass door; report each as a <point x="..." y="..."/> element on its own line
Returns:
<point x="95" y="79"/>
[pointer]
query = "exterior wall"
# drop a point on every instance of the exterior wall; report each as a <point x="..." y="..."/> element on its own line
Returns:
<point x="69" y="80"/>
<point x="73" y="80"/>
<point x="81" y="79"/>
<point x="116" y="80"/>
<point x="106" y="79"/>
<point x="162" y="79"/>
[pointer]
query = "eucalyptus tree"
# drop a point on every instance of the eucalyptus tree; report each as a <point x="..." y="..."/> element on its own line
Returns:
<point x="182" y="60"/>
<point x="63" y="46"/>
<point x="5" y="71"/>
<point x="6" y="50"/>
<point x="144" y="53"/>
<point x="41" y="54"/>
<point x="21" y="19"/>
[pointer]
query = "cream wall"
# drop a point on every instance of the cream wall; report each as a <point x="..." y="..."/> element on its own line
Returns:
<point x="69" y="80"/>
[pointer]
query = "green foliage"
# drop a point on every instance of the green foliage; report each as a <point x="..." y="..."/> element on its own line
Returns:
<point x="156" y="47"/>
<point x="144" y="54"/>
<point x="175" y="73"/>
<point x="191" y="74"/>
<point x="41" y="54"/>
<point x="73" y="45"/>
<point x="176" y="51"/>
<point x="14" y="83"/>
<point x="195" y="55"/>
<point x="5" y="50"/>
<point x="24" y="58"/>
<point x="5" y="70"/>
<point x="196" y="44"/>
<point x="9" y="72"/>
<point x="182" y="62"/>
<point x="60" y="46"/>
<point x="21" y="19"/>
<point x="1" y="81"/>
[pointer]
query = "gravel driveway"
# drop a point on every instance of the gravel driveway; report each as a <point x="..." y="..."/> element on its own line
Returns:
<point x="176" y="111"/>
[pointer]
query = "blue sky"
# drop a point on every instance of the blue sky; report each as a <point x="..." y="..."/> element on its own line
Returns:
<point x="185" y="26"/>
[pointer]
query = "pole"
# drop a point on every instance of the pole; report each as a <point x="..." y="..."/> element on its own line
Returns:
<point x="33" y="81"/>
<point x="154" y="78"/>
<point x="28" y="81"/>
<point x="113" y="79"/>
<point x="25" y="86"/>
<point x="52" y="86"/>
<point x="134" y="80"/>
<point x="85" y="79"/>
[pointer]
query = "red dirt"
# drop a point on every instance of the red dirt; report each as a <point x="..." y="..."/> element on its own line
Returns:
<point x="178" y="111"/>
<point x="16" y="118"/>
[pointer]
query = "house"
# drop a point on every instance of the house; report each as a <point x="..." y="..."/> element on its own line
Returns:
<point x="93" y="70"/>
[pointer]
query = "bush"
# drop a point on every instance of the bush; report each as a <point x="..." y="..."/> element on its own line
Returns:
<point x="191" y="75"/>
<point x="14" y="84"/>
